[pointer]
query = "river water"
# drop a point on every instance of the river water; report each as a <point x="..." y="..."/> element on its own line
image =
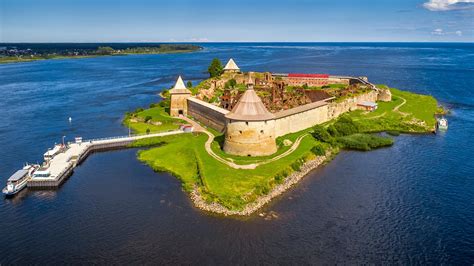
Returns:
<point x="410" y="203"/>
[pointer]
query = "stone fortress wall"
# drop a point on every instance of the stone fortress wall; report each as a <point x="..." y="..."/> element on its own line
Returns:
<point x="206" y="113"/>
<point x="251" y="130"/>
<point x="305" y="116"/>
<point x="287" y="121"/>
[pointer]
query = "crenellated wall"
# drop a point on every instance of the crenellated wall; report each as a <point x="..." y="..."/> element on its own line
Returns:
<point x="206" y="113"/>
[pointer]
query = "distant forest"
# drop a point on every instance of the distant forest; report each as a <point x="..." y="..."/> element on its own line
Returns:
<point x="15" y="52"/>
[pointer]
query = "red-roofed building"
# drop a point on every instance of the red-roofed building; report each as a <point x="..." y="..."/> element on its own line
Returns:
<point x="312" y="80"/>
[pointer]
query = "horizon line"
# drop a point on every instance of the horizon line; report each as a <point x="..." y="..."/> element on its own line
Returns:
<point x="211" y="42"/>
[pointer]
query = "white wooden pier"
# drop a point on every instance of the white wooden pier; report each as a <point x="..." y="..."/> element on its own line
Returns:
<point x="62" y="165"/>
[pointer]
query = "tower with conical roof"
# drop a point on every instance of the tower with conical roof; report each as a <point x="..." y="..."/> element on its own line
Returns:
<point x="178" y="97"/>
<point x="250" y="127"/>
<point x="231" y="66"/>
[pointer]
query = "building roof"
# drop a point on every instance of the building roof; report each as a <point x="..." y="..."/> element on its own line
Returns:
<point x="18" y="175"/>
<point x="250" y="108"/>
<point x="231" y="65"/>
<point x="367" y="103"/>
<point x="179" y="87"/>
<point x="301" y="75"/>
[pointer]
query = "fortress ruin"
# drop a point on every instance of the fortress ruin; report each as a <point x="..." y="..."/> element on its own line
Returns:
<point x="253" y="109"/>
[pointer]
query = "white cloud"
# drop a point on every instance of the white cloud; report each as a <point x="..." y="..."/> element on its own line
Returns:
<point x="437" y="32"/>
<point x="440" y="32"/>
<point x="445" y="5"/>
<point x="199" y="40"/>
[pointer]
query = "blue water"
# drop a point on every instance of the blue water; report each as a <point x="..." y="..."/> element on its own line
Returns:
<point x="411" y="203"/>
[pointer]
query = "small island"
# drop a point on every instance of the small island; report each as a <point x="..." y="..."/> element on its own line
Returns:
<point x="16" y="53"/>
<point x="254" y="135"/>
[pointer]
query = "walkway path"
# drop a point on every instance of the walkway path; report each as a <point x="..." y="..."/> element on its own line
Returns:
<point x="400" y="105"/>
<point x="199" y="128"/>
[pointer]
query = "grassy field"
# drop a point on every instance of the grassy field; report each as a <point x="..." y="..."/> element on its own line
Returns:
<point x="185" y="157"/>
<point x="156" y="114"/>
<point x="415" y="116"/>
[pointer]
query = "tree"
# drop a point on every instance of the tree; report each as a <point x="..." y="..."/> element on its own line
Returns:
<point x="189" y="84"/>
<point x="215" y="68"/>
<point x="105" y="50"/>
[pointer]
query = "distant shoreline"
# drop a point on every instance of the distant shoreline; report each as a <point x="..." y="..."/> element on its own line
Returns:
<point x="12" y="54"/>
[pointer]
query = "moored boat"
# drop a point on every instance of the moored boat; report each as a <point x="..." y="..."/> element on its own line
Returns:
<point x="18" y="180"/>
<point x="442" y="124"/>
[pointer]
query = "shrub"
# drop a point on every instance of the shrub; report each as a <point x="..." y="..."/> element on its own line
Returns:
<point x="345" y="126"/>
<point x="321" y="134"/>
<point x="296" y="165"/>
<point x="165" y="103"/>
<point x="393" y="133"/>
<point x="364" y="142"/>
<point x="148" y="131"/>
<point x="153" y="105"/>
<point x="138" y="110"/>
<point x="333" y="131"/>
<point x="147" y="118"/>
<point x="318" y="150"/>
<point x="262" y="189"/>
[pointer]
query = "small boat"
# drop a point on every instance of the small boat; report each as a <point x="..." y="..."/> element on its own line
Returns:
<point x="18" y="180"/>
<point x="442" y="124"/>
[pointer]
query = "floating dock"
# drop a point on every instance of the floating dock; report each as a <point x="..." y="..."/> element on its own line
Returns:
<point x="62" y="165"/>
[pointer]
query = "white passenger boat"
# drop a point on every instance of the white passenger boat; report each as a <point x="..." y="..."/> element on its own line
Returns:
<point x="18" y="180"/>
<point x="41" y="173"/>
<point x="58" y="148"/>
<point x="442" y="124"/>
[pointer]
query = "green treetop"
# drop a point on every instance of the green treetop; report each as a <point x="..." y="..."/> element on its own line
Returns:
<point x="215" y="69"/>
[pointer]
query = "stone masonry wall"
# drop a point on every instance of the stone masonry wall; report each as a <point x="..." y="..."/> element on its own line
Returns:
<point x="208" y="114"/>
<point x="313" y="115"/>
<point x="288" y="121"/>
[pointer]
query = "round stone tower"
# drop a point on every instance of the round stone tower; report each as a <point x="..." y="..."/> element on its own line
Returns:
<point x="250" y="127"/>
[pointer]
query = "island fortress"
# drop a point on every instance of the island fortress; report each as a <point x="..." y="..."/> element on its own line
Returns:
<point x="296" y="102"/>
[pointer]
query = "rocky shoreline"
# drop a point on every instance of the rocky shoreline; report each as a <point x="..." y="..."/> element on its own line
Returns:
<point x="250" y="208"/>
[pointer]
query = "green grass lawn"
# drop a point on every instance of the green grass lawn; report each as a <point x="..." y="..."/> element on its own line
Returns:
<point x="415" y="116"/>
<point x="157" y="114"/>
<point x="184" y="156"/>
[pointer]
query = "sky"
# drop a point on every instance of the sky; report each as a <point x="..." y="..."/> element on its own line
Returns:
<point x="237" y="21"/>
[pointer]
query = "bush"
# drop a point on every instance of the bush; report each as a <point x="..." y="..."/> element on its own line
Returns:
<point x="364" y="142"/>
<point x="318" y="150"/>
<point x="148" y="131"/>
<point x="296" y="165"/>
<point x="321" y="134"/>
<point x="333" y="131"/>
<point x="138" y="110"/>
<point x="345" y="126"/>
<point x="147" y="118"/>
<point x="153" y="105"/>
<point x="165" y="103"/>
<point x="393" y="133"/>
<point x="262" y="189"/>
